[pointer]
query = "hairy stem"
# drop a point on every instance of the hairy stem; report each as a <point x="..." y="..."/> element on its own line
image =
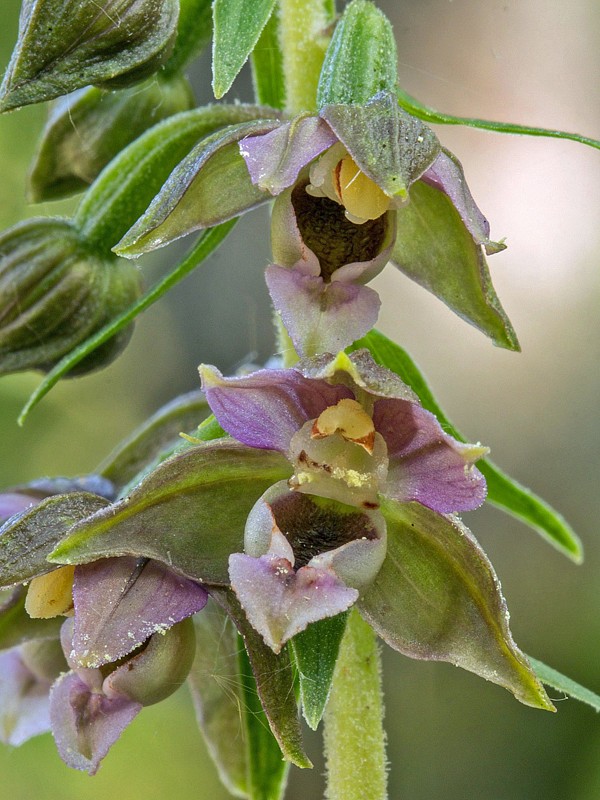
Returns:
<point x="354" y="735"/>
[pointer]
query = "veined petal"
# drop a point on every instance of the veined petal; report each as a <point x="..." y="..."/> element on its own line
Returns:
<point x="321" y="317"/>
<point x="265" y="409"/>
<point x="426" y="464"/>
<point x="121" y="602"/>
<point x="446" y="174"/>
<point x="275" y="159"/>
<point x="85" y="723"/>
<point x="280" y="602"/>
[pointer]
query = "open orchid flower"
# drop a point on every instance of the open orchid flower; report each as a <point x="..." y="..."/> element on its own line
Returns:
<point x="353" y="432"/>
<point x="344" y="181"/>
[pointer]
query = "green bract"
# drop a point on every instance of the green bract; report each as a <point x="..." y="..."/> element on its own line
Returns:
<point x="64" y="45"/>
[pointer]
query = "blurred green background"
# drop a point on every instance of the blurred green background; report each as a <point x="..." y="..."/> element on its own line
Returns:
<point x="451" y="736"/>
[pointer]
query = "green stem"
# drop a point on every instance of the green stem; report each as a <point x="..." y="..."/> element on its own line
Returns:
<point x="354" y="735"/>
<point x="302" y="31"/>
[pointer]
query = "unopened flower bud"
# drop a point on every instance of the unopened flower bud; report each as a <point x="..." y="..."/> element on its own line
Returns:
<point x="87" y="128"/>
<point x="54" y="293"/>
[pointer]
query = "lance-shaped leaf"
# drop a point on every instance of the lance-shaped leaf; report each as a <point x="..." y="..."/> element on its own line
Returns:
<point x="434" y="248"/>
<point x="361" y="58"/>
<point x="67" y="44"/>
<point x="87" y="128"/>
<point x="189" y="513"/>
<point x="390" y="147"/>
<point x="211" y="185"/>
<point x="437" y="598"/>
<point x="237" y="27"/>
<point x="218" y="696"/>
<point x="17" y="627"/>
<point x="125" y="188"/>
<point x="316" y="650"/>
<point x="274" y="682"/>
<point x="25" y="542"/>
<point x="154" y="436"/>
<point x="503" y="491"/>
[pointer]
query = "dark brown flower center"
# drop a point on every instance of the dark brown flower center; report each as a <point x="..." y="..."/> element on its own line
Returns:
<point x="317" y="527"/>
<point x="331" y="236"/>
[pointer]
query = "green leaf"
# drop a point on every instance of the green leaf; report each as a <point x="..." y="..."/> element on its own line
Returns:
<point x="189" y="513"/>
<point x="17" y="627"/>
<point x="361" y="58"/>
<point x="67" y="44"/>
<point x="26" y="542"/>
<point x="237" y="27"/>
<point x="316" y="650"/>
<point x="437" y="598"/>
<point x="273" y="685"/>
<point x="126" y="187"/>
<point x="428" y="114"/>
<point x="211" y="185"/>
<point x="206" y="243"/>
<point x="219" y="697"/>
<point x="156" y="435"/>
<point x="556" y="680"/>
<point x="503" y="491"/>
<point x="86" y="129"/>
<point x="267" y="67"/>
<point x="434" y="248"/>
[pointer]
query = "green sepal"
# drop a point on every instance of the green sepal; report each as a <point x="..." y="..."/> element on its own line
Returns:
<point x="189" y="513"/>
<point x="434" y="248"/>
<point x="26" y="542"/>
<point x="211" y="185"/>
<point x="218" y="696"/>
<point x="237" y="28"/>
<point x="158" y="434"/>
<point x="17" y="627"/>
<point x="390" y="146"/>
<point x="437" y="598"/>
<point x="273" y="685"/>
<point x="125" y="188"/>
<point x="64" y="45"/>
<point x="503" y="491"/>
<point x="361" y="58"/>
<point x="88" y="128"/>
<point x="267" y="66"/>
<point x="316" y="651"/>
<point x="55" y="291"/>
<point x="194" y="30"/>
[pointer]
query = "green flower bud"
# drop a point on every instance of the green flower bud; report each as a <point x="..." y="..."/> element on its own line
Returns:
<point x="64" y="45"/>
<point x="87" y="128"/>
<point x="54" y="293"/>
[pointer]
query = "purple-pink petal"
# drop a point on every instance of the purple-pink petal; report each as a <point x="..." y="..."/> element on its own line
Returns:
<point x="446" y="174"/>
<point x="280" y="602"/>
<point x="265" y="409"/>
<point x="275" y="159"/>
<point x="426" y="464"/>
<point x="85" y="723"/>
<point x="121" y="602"/>
<point x="24" y="706"/>
<point x="321" y="317"/>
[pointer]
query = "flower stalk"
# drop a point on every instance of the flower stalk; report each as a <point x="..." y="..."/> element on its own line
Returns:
<point x="354" y="735"/>
<point x="302" y="26"/>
